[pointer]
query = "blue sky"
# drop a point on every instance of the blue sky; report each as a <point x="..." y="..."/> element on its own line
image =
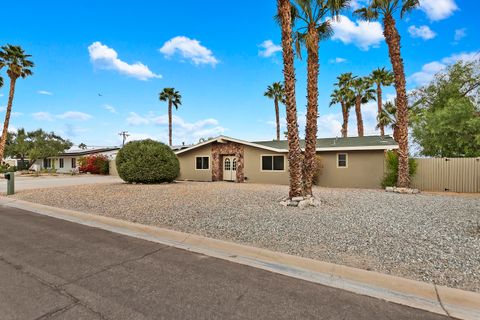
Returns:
<point x="220" y="57"/>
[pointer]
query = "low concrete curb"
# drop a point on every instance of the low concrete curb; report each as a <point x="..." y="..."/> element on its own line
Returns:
<point x="437" y="299"/>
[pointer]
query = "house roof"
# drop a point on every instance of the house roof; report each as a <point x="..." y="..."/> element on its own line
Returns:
<point x="84" y="152"/>
<point x="327" y="144"/>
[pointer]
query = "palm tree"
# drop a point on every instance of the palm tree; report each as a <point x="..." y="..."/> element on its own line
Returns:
<point x="16" y="60"/>
<point x="276" y="92"/>
<point x="294" y="152"/>
<point x="313" y="27"/>
<point x="174" y="99"/>
<point x="363" y="93"/>
<point x="344" y="95"/>
<point x="387" y="117"/>
<point x="386" y="9"/>
<point x="381" y="77"/>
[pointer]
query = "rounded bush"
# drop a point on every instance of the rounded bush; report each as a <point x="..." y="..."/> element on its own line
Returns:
<point x="147" y="161"/>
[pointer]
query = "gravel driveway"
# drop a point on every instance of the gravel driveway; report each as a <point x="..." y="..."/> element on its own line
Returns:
<point x="431" y="238"/>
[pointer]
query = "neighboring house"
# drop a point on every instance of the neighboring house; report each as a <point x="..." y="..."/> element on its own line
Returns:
<point x="68" y="161"/>
<point x="357" y="162"/>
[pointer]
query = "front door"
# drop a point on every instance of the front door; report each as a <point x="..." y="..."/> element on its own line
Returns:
<point x="229" y="168"/>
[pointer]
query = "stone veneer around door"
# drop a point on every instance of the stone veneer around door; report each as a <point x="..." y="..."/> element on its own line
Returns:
<point x="227" y="149"/>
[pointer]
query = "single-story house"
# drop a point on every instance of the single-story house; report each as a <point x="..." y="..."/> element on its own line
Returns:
<point x="68" y="161"/>
<point x="356" y="162"/>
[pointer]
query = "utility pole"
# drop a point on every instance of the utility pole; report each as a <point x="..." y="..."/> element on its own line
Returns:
<point x="124" y="135"/>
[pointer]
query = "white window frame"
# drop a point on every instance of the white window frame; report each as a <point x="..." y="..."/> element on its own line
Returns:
<point x="209" y="163"/>
<point x="272" y="155"/>
<point x="346" y="160"/>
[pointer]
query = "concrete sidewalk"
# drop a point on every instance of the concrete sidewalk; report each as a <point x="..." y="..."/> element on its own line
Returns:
<point x="42" y="182"/>
<point x="55" y="269"/>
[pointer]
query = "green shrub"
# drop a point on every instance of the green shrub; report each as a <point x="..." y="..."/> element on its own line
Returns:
<point x="147" y="161"/>
<point x="391" y="176"/>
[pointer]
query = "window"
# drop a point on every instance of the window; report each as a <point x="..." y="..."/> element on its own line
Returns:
<point x="234" y="164"/>
<point x="226" y="166"/>
<point x="202" y="163"/>
<point x="61" y="163"/>
<point x="273" y="163"/>
<point x="342" y="160"/>
<point x="74" y="163"/>
<point x="47" y="163"/>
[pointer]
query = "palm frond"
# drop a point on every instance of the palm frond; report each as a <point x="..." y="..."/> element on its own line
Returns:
<point x="408" y="6"/>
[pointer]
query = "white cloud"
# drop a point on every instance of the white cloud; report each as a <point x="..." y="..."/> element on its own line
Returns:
<point x="135" y="119"/>
<point x="74" y="115"/>
<point x="183" y="131"/>
<point x="363" y="34"/>
<point x="42" y="116"/>
<point x="268" y="49"/>
<point x="423" y="32"/>
<point x="46" y="93"/>
<point x="460" y="34"/>
<point x="438" y="9"/>
<point x="110" y="108"/>
<point x="337" y="60"/>
<point x="429" y="70"/>
<point x="1" y="94"/>
<point x="189" y="49"/>
<point x="106" y="58"/>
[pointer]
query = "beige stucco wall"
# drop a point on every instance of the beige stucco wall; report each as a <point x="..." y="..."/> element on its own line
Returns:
<point x="253" y="172"/>
<point x="365" y="170"/>
<point x="188" y="165"/>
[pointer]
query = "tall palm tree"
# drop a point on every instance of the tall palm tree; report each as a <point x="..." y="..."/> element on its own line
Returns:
<point x="386" y="10"/>
<point x="363" y="92"/>
<point x="381" y="77"/>
<point x="344" y="95"/>
<point x="18" y="65"/>
<point x="310" y="17"/>
<point x="174" y="99"/>
<point x="276" y="91"/>
<point x="294" y="151"/>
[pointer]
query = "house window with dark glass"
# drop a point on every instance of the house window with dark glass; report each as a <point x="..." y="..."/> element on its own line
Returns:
<point x="202" y="163"/>
<point x="273" y="163"/>
<point x="47" y="163"/>
<point x="74" y="163"/>
<point x="342" y="160"/>
<point x="61" y="163"/>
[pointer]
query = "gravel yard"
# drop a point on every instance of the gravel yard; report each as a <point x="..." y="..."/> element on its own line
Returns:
<point x="431" y="238"/>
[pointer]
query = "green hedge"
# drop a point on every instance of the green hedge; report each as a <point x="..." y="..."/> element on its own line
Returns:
<point x="391" y="176"/>
<point x="147" y="161"/>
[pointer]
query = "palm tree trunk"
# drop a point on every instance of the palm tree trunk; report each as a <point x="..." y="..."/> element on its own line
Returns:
<point x="345" y="119"/>
<point x="393" y="41"/>
<point x="170" y="122"/>
<point x="294" y="151"/>
<point x="358" y="111"/>
<point x="277" y="118"/>
<point x="3" y="139"/>
<point x="380" y="104"/>
<point x="312" y="112"/>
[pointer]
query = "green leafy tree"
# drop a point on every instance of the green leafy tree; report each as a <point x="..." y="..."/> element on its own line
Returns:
<point x="35" y="145"/>
<point x="447" y="118"/>
<point x="276" y="92"/>
<point x="174" y="99"/>
<point x="363" y="92"/>
<point x="381" y="78"/>
<point x="18" y="65"/>
<point x="386" y="10"/>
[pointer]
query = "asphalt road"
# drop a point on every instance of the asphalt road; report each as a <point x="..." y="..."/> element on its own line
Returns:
<point x="53" y="269"/>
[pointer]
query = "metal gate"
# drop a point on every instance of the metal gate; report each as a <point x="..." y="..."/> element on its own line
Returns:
<point x="448" y="174"/>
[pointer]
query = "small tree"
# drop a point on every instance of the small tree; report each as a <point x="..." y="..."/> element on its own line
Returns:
<point x="35" y="145"/>
<point x="391" y="176"/>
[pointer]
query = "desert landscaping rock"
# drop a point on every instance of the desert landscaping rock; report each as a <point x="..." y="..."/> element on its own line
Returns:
<point x="424" y="237"/>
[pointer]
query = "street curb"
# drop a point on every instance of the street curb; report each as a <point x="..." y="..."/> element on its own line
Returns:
<point x="437" y="299"/>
